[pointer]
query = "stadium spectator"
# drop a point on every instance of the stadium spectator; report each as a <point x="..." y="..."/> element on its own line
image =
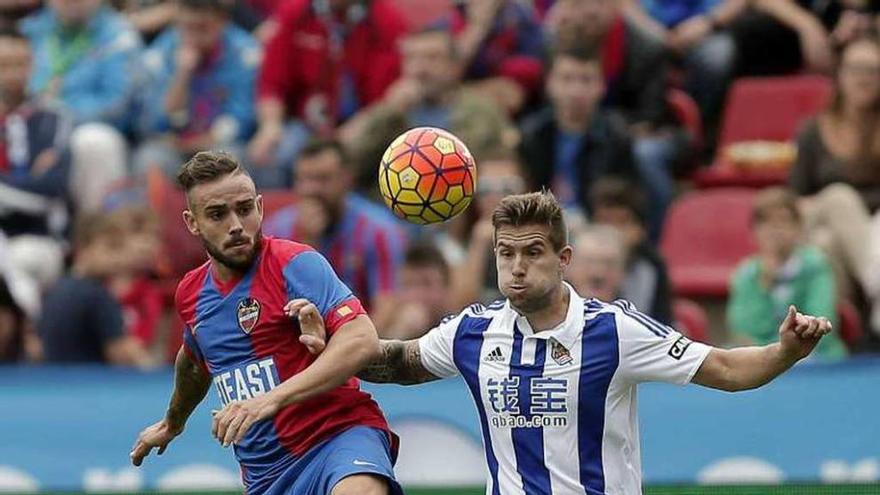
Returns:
<point x="719" y="39"/>
<point x="424" y="295"/>
<point x="837" y="166"/>
<point x="784" y="272"/>
<point x="428" y="93"/>
<point x="598" y="263"/>
<point x="362" y="240"/>
<point x="621" y="204"/>
<point x="34" y="169"/>
<point x="636" y="72"/>
<point x="133" y="286"/>
<point x="81" y="320"/>
<point x="574" y="142"/>
<point x="200" y="90"/>
<point x="501" y="45"/>
<point x="475" y="278"/>
<point x="346" y="57"/>
<point x="84" y="57"/>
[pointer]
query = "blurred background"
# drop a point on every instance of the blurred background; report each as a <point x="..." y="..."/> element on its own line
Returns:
<point x="718" y="160"/>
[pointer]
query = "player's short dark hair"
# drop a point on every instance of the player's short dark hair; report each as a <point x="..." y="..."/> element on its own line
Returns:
<point x="207" y="166"/>
<point x="617" y="192"/>
<point x="219" y="6"/>
<point x="579" y="49"/>
<point x="427" y="255"/>
<point x="318" y="145"/>
<point x="773" y="198"/>
<point x="536" y="208"/>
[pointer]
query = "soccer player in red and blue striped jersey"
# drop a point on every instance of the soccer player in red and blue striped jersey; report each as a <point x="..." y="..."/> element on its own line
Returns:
<point x="299" y="424"/>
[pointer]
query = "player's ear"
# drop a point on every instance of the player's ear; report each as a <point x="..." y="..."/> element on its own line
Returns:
<point x="565" y="257"/>
<point x="190" y="220"/>
<point x="259" y="203"/>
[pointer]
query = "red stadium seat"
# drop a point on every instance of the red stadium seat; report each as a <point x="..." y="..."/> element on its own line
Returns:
<point x="691" y="320"/>
<point x="771" y="109"/>
<point x="705" y="236"/>
<point x="850" y="330"/>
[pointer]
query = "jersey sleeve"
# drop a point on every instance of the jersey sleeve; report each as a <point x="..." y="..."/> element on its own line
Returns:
<point x="435" y="347"/>
<point x="192" y="349"/>
<point x="308" y="275"/>
<point x="653" y="352"/>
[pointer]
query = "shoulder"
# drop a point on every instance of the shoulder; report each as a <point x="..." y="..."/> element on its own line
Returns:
<point x="474" y="315"/>
<point x="628" y="322"/>
<point x="245" y="48"/>
<point x="813" y="258"/>
<point x="538" y="122"/>
<point x="115" y="32"/>
<point x="747" y="269"/>
<point x="189" y="287"/>
<point x="284" y="251"/>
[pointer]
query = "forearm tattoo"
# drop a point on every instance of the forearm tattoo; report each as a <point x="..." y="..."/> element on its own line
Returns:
<point x="400" y="362"/>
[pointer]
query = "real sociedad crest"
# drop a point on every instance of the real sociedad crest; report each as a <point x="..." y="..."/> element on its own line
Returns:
<point x="248" y="314"/>
<point x="559" y="353"/>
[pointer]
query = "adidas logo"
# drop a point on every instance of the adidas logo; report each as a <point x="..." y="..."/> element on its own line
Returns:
<point x="495" y="356"/>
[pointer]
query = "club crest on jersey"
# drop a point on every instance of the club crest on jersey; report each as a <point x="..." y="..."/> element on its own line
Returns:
<point x="559" y="353"/>
<point x="248" y="314"/>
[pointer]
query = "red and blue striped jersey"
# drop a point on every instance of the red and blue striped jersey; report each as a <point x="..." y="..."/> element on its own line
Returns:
<point x="239" y="332"/>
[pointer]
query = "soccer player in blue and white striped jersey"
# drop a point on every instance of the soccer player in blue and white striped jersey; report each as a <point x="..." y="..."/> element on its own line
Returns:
<point x="554" y="375"/>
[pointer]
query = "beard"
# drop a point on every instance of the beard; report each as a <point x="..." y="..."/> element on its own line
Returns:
<point x="238" y="264"/>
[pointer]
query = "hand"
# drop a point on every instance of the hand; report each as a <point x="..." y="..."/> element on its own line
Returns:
<point x="158" y="436"/>
<point x="404" y="94"/>
<point x="264" y="142"/>
<point x="689" y="33"/>
<point x="311" y="324"/>
<point x="799" y="333"/>
<point x="232" y="423"/>
<point x="187" y="58"/>
<point x="312" y="220"/>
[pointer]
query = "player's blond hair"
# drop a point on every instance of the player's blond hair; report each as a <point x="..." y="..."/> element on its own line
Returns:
<point x="535" y="208"/>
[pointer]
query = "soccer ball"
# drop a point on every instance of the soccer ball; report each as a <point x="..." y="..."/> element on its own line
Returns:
<point x="427" y="175"/>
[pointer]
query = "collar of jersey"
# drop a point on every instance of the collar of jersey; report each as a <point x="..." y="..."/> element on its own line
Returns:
<point x="566" y="332"/>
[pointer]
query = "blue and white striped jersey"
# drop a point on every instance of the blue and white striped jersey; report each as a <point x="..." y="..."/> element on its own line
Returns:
<point x="558" y="408"/>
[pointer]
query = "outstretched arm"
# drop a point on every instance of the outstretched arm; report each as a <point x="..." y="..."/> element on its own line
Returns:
<point x="400" y="362"/>
<point x="746" y="368"/>
<point x="191" y="383"/>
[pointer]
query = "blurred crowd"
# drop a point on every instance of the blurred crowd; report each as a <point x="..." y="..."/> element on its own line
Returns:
<point x="102" y="100"/>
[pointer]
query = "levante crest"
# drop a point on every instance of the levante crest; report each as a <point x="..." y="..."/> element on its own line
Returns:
<point x="248" y="314"/>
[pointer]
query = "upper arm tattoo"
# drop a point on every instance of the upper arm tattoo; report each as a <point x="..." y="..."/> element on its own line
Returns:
<point x="400" y="362"/>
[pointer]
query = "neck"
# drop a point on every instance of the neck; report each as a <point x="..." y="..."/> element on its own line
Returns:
<point x="856" y="115"/>
<point x="553" y="313"/>
<point x="223" y="273"/>
<point x="571" y="125"/>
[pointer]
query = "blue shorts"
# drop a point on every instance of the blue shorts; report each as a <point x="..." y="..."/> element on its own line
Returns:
<point x="358" y="450"/>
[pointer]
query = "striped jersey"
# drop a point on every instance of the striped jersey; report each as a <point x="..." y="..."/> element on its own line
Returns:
<point x="558" y="408"/>
<point x="238" y="331"/>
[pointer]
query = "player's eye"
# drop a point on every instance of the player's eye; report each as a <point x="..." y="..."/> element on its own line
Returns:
<point x="245" y="210"/>
<point x="215" y="215"/>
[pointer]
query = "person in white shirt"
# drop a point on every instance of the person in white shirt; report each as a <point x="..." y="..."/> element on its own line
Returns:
<point x="554" y="375"/>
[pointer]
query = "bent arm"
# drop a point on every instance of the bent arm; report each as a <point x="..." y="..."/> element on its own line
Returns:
<point x="743" y="368"/>
<point x="350" y="349"/>
<point x="191" y="383"/>
<point x="399" y="362"/>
